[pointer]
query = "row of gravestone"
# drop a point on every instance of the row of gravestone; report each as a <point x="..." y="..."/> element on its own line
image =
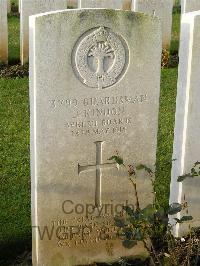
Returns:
<point x="162" y="9"/>
<point x="93" y="91"/>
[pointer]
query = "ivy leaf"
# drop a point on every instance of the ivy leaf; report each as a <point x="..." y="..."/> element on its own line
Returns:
<point x="129" y="243"/>
<point x="119" y="221"/>
<point x="174" y="208"/>
<point x="177" y="220"/>
<point x="197" y="163"/>
<point x="138" y="235"/>
<point x="184" y="219"/>
<point x="181" y="178"/>
<point x="117" y="159"/>
<point x="129" y="233"/>
<point x="148" y="212"/>
<point x="144" y="167"/>
<point x="161" y="212"/>
<point x="128" y="210"/>
<point x="162" y="216"/>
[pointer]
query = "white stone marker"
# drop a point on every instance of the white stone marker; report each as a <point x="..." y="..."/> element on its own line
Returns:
<point x="114" y="4"/>
<point x="189" y="6"/>
<point x="160" y="8"/>
<point x="187" y="125"/>
<point x="93" y="91"/>
<point x="3" y="32"/>
<point x="31" y="7"/>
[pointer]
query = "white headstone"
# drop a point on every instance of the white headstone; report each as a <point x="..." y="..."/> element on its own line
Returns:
<point x="114" y="4"/>
<point x="189" y="6"/>
<point x="3" y="32"/>
<point x="31" y="7"/>
<point x="93" y="91"/>
<point x="187" y="126"/>
<point x="162" y="9"/>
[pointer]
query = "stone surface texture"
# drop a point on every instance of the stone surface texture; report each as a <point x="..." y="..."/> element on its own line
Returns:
<point x="187" y="125"/>
<point x="114" y="4"/>
<point x="93" y="91"/>
<point x="161" y="9"/>
<point x="189" y="6"/>
<point x="31" y="7"/>
<point x="3" y="32"/>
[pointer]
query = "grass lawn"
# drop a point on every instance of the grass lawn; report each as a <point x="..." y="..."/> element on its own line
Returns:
<point x="15" y="223"/>
<point x="14" y="39"/>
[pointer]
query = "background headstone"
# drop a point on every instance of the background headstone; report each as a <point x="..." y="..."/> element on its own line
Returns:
<point x="114" y="4"/>
<point x="93" y="91"/>
<point x="31" y="7"/>
<point x="189" y="6"/>
<point x="72" y="4"/>
<point x="160" y="8"/>
<point x="3" y="32"/>
<point x="187" y="126"/>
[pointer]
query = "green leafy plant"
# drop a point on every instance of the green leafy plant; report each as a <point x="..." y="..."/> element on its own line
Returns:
<point x="146" y="224"/>
<point x="195" y="171"/>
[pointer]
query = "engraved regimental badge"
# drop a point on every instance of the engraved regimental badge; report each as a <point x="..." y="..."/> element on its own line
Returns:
<point x="100" y="58"/>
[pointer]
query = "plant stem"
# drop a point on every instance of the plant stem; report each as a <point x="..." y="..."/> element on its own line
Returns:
<point x="197" y="256"/>
<point x="137" y="204"/>
<point x="154" y="252"/>
<point x="150" y="253"/>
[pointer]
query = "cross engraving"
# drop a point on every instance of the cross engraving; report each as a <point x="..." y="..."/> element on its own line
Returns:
<point x="98" y="168"/>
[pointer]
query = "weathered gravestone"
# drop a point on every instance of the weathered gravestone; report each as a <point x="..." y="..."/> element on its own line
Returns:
<point x="160" y="8"/>
<point x="31" y="7"/>
<point x="187" y="126"/>
<point x="3" y="32"/>
<point x="114" y="4"/>
<point x="189" y="6"/>
<point x="93" y="92"/>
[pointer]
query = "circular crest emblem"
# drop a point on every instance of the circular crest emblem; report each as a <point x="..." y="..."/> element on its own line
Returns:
<point x="100" y="58"/>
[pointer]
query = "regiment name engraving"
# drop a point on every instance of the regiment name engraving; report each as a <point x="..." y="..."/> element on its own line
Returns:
<point x="97" y="115"/>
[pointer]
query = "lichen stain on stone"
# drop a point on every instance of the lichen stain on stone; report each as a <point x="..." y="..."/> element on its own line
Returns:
<point x="57" y="259"/>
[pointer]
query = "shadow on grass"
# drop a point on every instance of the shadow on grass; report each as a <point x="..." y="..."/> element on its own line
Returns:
<point x="9" y="251"/>
<point x="174" y="47"/>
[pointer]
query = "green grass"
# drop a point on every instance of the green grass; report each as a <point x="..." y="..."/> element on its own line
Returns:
<point x="15" y="176"/>
<point x="175" y="33"/>
<point x="13" y="39"/>
<point x="15" y="2"/>
<point x="165" y="134"/>
<point x="15" y="224"/>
